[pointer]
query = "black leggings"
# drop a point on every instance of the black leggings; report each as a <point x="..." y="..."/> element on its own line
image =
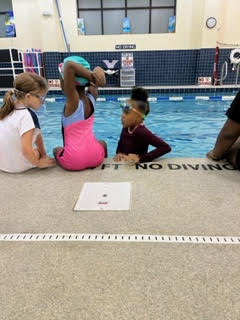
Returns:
<point x="238" y="160"/>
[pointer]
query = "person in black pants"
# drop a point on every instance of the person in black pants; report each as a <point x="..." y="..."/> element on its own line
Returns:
<point x="228" y="141"/>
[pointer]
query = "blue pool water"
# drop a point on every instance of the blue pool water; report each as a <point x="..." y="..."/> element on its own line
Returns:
<point x="190" y="127"/>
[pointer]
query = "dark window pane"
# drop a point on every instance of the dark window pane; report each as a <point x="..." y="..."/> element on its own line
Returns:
<point x="2" y="25"/>
<point x="166" y="3"/>
<point x="139" y="20"/>
<point x="113" y="3"/>
<point x="160" y="20"/>
<point x="5" y="5"/>
<point x="89" y="4"/>
<point x="112" y="21"/>
<point x="138" y="3"/>
<point x="7" y="20"/>
<point x="92" y="22"/>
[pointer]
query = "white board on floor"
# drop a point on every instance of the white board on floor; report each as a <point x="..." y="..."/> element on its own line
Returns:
<point x="104" y="196"/>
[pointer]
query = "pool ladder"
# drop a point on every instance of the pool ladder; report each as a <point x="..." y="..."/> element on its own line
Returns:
<point x="224" y="72"/>
<point x="237" y="74"/>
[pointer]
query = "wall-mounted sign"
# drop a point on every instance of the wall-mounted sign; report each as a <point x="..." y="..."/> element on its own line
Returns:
<point x="54" y="83"/>
<point x="125" y="46"/>
<point x="204" y="81"/>
<point x="127" y="60"/>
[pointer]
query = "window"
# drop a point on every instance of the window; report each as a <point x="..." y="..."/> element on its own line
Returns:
<point x="143" y="16"/>
<point x="7" y="25"/>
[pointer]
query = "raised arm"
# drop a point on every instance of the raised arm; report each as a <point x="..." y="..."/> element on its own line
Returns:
<point x="71" y="70"/>
<point x="161" y="147"/>
<point x="98" y="80"/>
<point x="226" y="138"/>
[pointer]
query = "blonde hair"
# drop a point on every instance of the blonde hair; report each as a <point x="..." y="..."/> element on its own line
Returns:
<point x="24" y="83"/>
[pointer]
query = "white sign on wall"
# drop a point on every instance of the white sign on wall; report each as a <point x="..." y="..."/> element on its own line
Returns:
<point x="54" y="83"/>
<point x="204" y="81"/>
<point x="127" y="60"/>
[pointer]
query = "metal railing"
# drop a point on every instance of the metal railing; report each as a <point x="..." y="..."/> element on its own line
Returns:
<point x="224" y="72"/>
<point x="237" y="74"/>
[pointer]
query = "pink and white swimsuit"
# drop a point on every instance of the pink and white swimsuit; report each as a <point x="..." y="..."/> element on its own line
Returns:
<point x="81" y="149"/>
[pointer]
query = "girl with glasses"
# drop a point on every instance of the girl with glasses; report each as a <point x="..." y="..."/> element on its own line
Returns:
<point x="135" y="137"/>
<point x="21" y="142"/>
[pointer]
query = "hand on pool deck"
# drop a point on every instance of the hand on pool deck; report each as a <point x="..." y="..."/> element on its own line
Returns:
<point x="46" y="162"/>
<point x="131" y="158"/>
<point x="211" y="155"/>
<point x="232" y="155"/>
<point x="118" y="157"/>
<point x="228" y="144"/>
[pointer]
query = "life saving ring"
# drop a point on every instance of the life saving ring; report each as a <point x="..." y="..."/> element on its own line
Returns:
<point x="235" y="59"/>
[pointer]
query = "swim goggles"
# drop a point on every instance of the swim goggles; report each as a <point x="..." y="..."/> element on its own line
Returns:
<point x="127" y="107"/>
<point x="41" y="98"/>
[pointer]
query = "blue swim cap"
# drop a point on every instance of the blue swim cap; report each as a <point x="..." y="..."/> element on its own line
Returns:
<point x="80" y="60"/>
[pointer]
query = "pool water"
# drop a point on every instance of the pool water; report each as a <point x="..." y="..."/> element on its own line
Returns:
<point x="189" y="127"/>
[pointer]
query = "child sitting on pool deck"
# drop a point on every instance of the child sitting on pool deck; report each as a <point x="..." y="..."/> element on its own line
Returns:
<point x="135" y="137"/>
<point x="81" y="149"/>
<point x="21" y="140"/>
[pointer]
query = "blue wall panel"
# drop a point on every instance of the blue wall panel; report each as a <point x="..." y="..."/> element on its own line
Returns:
<point x="153" y="68"/>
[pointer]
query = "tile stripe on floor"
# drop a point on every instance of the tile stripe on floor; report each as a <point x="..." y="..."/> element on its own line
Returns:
<point x="119" y="238"/>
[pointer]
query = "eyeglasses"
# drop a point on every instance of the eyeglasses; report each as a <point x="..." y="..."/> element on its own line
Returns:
<point x="41" y="98"/>
<point x="126" y="108"/>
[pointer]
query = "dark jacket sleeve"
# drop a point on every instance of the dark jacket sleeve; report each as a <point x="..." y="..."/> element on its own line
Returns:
<point x="161" y="146"/>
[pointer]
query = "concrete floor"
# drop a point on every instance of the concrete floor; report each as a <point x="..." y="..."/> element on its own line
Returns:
<point x="119" y="280"/>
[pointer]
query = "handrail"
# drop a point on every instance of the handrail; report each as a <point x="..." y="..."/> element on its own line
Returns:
<point x="223" y="77"/>
<point x="236" y="80"/>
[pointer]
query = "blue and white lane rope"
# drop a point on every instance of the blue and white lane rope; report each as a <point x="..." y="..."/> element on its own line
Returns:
<point x="92" y="237"/>
<point x="159" y="98"/>
<point x="152" y="99"/>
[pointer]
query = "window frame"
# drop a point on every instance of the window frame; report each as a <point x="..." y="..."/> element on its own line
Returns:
<point x="126" y="8"/>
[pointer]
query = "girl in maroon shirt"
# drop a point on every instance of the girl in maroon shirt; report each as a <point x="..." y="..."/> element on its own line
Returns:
<point x="135" y="137"/>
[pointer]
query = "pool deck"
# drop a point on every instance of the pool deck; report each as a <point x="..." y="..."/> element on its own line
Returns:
<point x="120" y="279"/>
<point x="197" y="87"/>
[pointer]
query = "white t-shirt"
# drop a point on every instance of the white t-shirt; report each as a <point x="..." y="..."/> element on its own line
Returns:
<point x="12" y="127"/>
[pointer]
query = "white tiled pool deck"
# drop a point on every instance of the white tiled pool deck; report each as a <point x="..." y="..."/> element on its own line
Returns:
<point x="123" y="279"/>
<point x="211" y="87"/>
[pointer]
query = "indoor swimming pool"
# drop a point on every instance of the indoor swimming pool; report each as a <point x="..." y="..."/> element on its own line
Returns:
<point x="189" y="126"/>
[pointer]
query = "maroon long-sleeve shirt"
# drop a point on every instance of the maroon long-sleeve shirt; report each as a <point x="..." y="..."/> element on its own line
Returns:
<point x="138" y="141"/>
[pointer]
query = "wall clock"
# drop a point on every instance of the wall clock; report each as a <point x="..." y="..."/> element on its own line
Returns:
<point x="211" y="22"/>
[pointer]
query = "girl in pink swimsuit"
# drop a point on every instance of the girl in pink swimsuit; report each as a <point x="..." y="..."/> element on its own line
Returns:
<point x="81" y="149"/>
